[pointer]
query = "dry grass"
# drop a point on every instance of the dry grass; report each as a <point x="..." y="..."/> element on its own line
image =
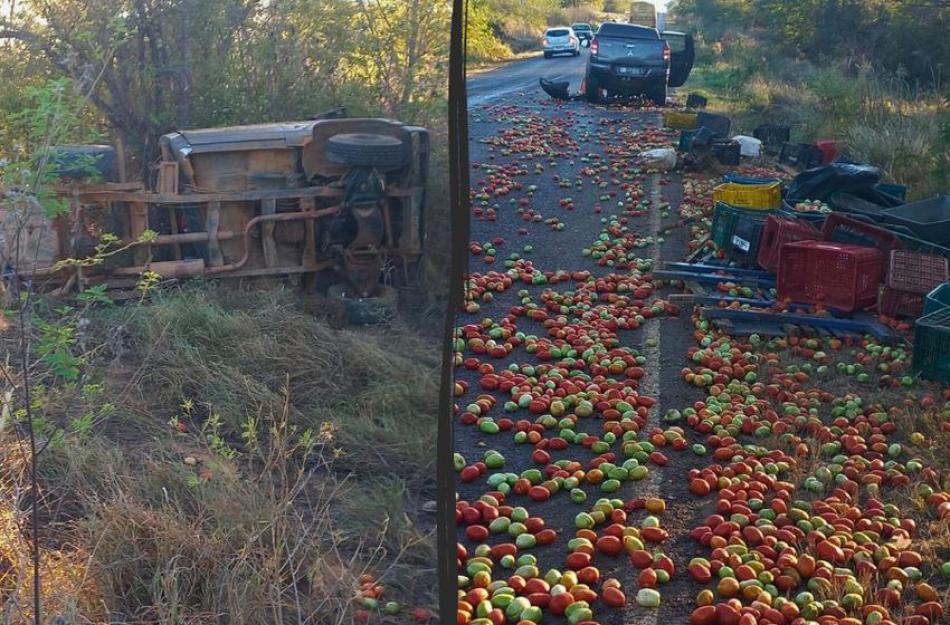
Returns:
<point x="229" y="482"/>
<point x="879" y="118"/>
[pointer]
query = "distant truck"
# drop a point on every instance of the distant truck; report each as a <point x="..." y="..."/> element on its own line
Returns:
<point x="643" y="14"/>
<point x="336" y="200"/>
<point x="631" y="60"/>
<point x="669" y="21"/>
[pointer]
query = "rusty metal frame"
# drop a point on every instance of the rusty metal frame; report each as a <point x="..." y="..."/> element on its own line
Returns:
<point x="138" y="200"/>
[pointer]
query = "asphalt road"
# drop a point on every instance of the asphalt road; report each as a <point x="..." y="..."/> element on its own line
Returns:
<point x="512" y="80"/>
<point x="513" y="124"/>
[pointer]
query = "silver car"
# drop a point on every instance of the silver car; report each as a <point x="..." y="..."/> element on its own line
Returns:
<point x="560" y="40"/>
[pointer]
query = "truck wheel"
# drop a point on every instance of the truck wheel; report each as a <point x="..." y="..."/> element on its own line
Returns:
<point x="593" y="90"/>
<point x="657" y="95"/>
<point x="547" y="55"/>
<point x="367" y="150"/>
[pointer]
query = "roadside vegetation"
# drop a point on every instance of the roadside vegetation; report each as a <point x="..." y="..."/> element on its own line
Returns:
<point x="871" y="75"/>
<point x="501" y="29"/>
<point x="210" y="452"/>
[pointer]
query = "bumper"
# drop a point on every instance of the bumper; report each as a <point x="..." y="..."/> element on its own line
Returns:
<point x="632" y="83"/>
<point x="565" y="49"/>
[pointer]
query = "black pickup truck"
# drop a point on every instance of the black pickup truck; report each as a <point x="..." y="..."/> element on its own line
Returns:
<point x="631" y="60"/>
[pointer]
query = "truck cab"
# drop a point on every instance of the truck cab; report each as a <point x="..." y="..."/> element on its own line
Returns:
<point x="633" y="60"/>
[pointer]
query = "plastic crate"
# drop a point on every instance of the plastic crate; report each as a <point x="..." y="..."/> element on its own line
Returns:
<point x="932" y="346"/>
<point x="837" y="275"/>
<point x="737" y="179"/>
<point x="719" y="124"/>
<point x="696" y="101"/>
<point x="814" y="218"/>
<point x="746" y="238"/>
<point x="911" y="276"/>
<point x="680" y="120"/>
<point x="772" y="135"/>
<point x="723" y="223"/>
<point x="779" y="231"/>
<point x="737" y="232"/>
<point x="851" y="203"/>
<point x="727" y="152"/>
<point x="800" y="155"/>
<point x="918" y="245"/>
<point x="898" y="191"/>
<point x="750" y="196"/>
<point x="937" y="299"/>
<point x="828" y="149"/>
<point x="915" y="272"/>
<point x="896" y="303"/>
<point x="686" y="136"/>
<point x="839" y="228"/>
<point x="928" y="219"/>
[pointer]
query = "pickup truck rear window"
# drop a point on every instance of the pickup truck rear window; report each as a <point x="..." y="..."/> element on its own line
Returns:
<point x="583" y="27"/>
<point x="627" y="31"/>
<point x="557" y="32"/>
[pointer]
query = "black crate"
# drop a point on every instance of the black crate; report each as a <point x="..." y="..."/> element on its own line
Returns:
<point x="738" y="232"/>
<point x="801" y="155"/>
<point x="743" y="245"/>
<point x="772" y="136"/>
<point x="928" y="219"/>
<point x="719" y="124"/>
<point x="727" y="152"/>
<point x="695" y="101"/>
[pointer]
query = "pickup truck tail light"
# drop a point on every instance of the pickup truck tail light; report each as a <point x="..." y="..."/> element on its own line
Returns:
<point x="593" y="46"/>
<point x="667" y="53"/>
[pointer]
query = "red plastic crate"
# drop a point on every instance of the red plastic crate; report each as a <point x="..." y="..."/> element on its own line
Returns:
<point x="779" y="231"/>
<point x="828" y="149"/>
<point x="915" y="272"/>
<point x="842" y="229"/>
<point x="836" y="275"/>
<point x="898" y="303"/>
<point x="910" y="277"/>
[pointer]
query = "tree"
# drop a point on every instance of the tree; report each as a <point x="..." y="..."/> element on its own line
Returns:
<point x="161" y="65"/>
<point x="145" y="56"/>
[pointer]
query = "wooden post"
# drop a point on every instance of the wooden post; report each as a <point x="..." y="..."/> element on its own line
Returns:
<point x="269" y="207"/>
<point x="213" y="221"/>
<point x="120" y="158"/>
<point x="138" y="223"/>
<point x="309" y="259"/>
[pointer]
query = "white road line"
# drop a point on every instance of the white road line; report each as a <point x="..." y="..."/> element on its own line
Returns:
<point x="650" y="386"/>
<point x="650" y="383"/>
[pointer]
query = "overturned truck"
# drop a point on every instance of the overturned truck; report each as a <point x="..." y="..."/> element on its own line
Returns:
<point x="336" y="200"/>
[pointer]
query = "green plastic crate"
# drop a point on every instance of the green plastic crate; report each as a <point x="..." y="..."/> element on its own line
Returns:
<point x="737" y="231"/>
<point x="937" y="299"/>
<point x="723" y="223"/>
<point x="932" y="346"/>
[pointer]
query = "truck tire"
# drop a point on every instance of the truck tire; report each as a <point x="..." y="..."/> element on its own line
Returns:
<point x="367" y="150"/>
<point x="593" y="90"/>
<point x="547" y="55"/>
<point x="657" y="95"/>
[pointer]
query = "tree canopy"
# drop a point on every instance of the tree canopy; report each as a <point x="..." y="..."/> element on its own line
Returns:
<point x="904" y="36"/>
<point x="151" y="66"/>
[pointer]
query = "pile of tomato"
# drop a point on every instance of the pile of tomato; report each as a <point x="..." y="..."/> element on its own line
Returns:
<point x="817" y="499"/>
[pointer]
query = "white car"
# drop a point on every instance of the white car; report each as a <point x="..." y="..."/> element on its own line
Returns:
<point x="560" y="40"/>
